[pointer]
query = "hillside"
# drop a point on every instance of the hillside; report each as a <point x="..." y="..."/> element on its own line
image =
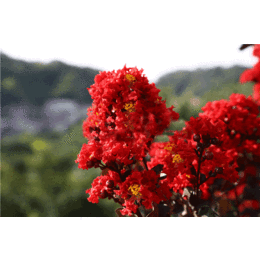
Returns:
<point x="36" y="83"/>
<point x="200" y="81"/>
<point x="24" y="82"/>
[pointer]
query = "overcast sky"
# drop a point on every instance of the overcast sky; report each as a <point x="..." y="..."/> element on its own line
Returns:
<point x="158" y="36"/>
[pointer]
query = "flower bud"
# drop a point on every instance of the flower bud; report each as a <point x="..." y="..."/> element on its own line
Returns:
<point x="110" y="183"/>
<point x="212" y="174"/>
<point x="90" y="164"/>
<point x="218" y="170"/>
<point x="214" y="141"/>
<point x="103" y="194"/>
<point x="196" y="138"/>
<point x="209" y="155"/>
<point x="199" y="149"/>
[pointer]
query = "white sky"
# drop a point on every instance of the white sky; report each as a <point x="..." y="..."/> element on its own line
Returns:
<point x="158" y="36"/>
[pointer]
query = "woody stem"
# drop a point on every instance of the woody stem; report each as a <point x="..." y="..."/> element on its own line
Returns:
<point x="198" y="175"/>
<point x="144" y="160"/>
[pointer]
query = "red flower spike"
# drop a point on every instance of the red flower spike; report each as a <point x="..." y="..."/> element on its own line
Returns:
<point x="132" y="121"/>
<point x="219" y="118"/>
<point x="209" y="155"/>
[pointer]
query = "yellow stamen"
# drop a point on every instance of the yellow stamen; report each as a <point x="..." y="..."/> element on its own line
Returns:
<point x="130" y="77"/>
<point x="157" y="101"/>
<point x="169" y="147"/>
<point x="177" y="158"/>
<point x="130" y="107"/>
<point x="135" y="189"/>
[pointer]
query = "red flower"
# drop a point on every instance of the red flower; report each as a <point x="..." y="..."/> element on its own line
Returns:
<point x="253" y="74"/>
<point x="249" y="204"/>
<point x="127" y="114"/>
<point x="118" y="128"/>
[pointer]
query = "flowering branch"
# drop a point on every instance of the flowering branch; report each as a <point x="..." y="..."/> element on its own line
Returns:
<point x="127" y="114"/>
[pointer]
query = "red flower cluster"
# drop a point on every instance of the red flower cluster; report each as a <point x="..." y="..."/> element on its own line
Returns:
<point x="228" y="129"/>
<point x="253" y="75"/>
<point x="127" y="114"/>
<point x="103" y="187"/>
<point x="186" y="154"/>
<point x="142" y="186"/>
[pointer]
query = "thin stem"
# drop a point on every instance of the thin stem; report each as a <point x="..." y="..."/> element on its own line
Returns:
<point x="198" y="174"/>
<point x="237" y="203"/>
<point x="214" y="212"/>
<point x="138" y="213"/>
<point x="144" y="160"/>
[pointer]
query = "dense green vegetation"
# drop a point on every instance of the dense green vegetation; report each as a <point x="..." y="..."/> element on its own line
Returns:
<point x="38" y="174"/>
<point x="40" y="177"/>
<point x="36" y="83"/>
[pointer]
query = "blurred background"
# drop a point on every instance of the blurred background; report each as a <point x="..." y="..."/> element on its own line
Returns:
<point x="49" y="56"/>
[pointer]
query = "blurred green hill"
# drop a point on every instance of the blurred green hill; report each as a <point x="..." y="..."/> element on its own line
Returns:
<point x="200" y="81"/>
<point x="35" y="83"/>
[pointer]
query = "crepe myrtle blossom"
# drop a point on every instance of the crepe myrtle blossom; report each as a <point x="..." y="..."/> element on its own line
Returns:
<point x="253" y="75"/>
<point x="242" y="124"/>
<point x="139" y="186"/>
<point x="182" y="157"/>
<point x="213" y="144"/>
<point x="123" y="123"/>
<point x="206" y="145"/>
<point x="126" y="115"/>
